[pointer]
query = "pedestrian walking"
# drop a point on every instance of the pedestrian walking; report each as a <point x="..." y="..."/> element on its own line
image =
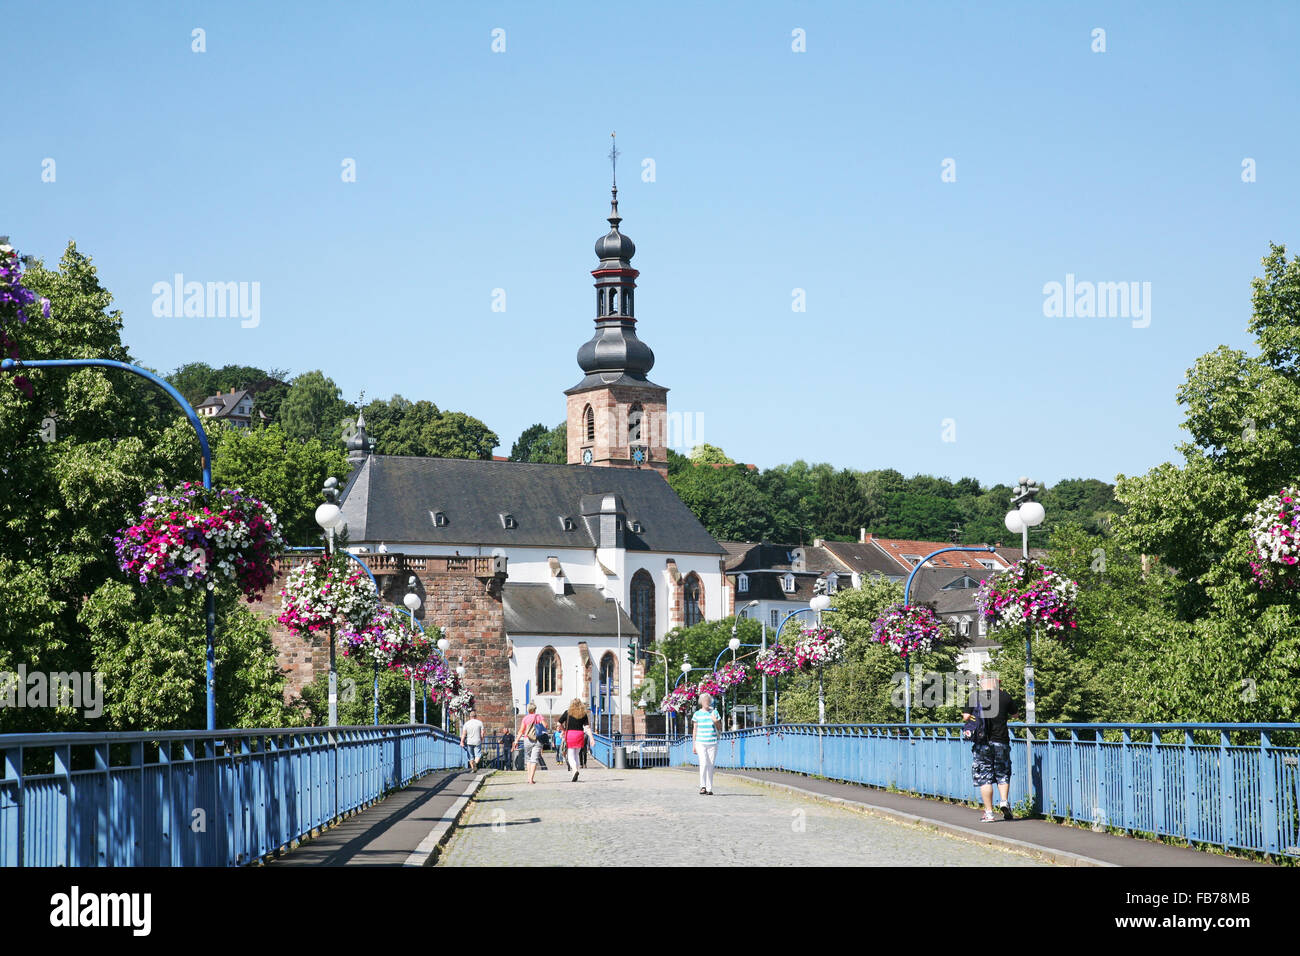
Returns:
<point x="532" y="732"/>
<point x="471" y="738"/>
<point x="507" y="745"/>
<point x="984" y="724"/>
<point x="706" y="720"/>
<point x="559" y="737"/>
<point x="576" y="733"/>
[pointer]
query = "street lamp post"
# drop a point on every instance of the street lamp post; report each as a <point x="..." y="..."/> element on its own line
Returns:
<point x="776" y="702"/>
<point x="1026" y="513"/>
<point x="460" y="671"/>
<point x="819" y="603"/>
<point x="329" y="516"/>
<point x="412" y="602"/>
<point x="443" y="644"/>
<point x="734" y="644"/>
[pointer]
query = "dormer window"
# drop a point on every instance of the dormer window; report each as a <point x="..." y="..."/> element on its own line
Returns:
<point x="508" y="521"/>
<point x="567" y="523"/>
<point x="742" y="583"/>
<point x="912" y="558"/>
<point x="787" y="584"/>
<point x="439" y="518"/>
<point x="635" y="527"/>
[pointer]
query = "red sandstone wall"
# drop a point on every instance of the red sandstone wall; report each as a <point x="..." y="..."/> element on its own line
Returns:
<point x="461" y="595"/>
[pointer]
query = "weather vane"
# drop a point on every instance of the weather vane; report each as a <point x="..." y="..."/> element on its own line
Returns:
<point x="613" y="157"/>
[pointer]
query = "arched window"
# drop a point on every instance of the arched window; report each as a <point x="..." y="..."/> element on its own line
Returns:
<point x="643" y="605"/>
<point x="634" y="417"/>
<point x="548" y="672"/>
<point x="693" y="599"/>
<point x="608" y="682"/>
<point x="589" y="420"/>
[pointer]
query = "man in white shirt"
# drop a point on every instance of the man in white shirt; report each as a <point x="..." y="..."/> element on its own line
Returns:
<point x="471" y="738"/>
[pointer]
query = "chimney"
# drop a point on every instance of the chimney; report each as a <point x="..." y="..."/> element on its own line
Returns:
<point x="862" y="536"/>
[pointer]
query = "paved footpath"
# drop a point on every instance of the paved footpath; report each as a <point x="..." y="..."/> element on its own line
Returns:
<point x="387" y="833"/>
<point x="658" y="818"/>
<point x="1062" y="844"/>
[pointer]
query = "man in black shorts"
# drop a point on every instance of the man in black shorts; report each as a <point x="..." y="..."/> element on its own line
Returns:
<point x="991" y="753"/>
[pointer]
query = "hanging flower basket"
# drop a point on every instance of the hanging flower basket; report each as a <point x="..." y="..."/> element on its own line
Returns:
<point x="708" y="685"/>
<point x="909" y="629"/>
<point x="461" y="703"/>
<point x="426" y="669"/>
<point x="1275" y="541"/>
<point x="324" y="592"/>
<point x="730" y="675"/>
<point x="679" y="700"/>
<point x="17" y="305"/>
<point x="1029" y="593"/>
<point x="415" y="650"/>
<point x="818" y="647"/>
<point x="440" y="679"/>
<point x="384" y="641"/>
<point x="775" y="661"/>
<point x="192" y="536"/>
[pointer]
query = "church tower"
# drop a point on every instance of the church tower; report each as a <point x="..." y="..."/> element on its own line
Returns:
<point x="616" y="416"/>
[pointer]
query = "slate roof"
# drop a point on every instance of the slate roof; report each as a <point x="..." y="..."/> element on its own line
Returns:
<point x="866" y="559"/>
<point x="766" y="564"/>
<point x="392" y="498"/>
<point x="228" y="401"/>
<point x="536" y="609"/>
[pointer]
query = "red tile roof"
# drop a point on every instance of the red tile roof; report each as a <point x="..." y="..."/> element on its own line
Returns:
<point x="897" y="547"/>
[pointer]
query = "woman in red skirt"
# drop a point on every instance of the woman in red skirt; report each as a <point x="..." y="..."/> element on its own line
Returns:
<point x="577" y="733"/>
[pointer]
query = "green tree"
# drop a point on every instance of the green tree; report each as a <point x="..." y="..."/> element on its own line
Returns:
<point x="710" y="455"/>
<point x="89" y="447"/>
<point x="397" y="425"/>
<point x="457" y="435"/>
<point x="552" y="447"/>
<point x="286" y="474"/>
<point x="729" y="502"/>
<point x="314" y="408"/>
<point x="1243" y="419"/>
<point x="522" y="449"/>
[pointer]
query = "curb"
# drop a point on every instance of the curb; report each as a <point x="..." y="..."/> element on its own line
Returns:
<point x="1063" y="857"/>
<point x="427" y="852"/>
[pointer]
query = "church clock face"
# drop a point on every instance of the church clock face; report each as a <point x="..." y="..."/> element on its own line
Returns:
<point x="586" y="456"/>
<point x="638" y="455"/>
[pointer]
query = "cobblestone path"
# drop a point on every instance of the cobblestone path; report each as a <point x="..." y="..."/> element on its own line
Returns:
<point x="658" y="818"/>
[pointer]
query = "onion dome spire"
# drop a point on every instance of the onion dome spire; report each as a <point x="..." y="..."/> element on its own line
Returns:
<point x="614" y="353"/>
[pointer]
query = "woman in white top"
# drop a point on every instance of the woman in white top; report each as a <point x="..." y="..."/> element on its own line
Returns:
<point x="706" y="722"/>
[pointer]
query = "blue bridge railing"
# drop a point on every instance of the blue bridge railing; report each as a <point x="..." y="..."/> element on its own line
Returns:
<point x="642" y="750"/>
<point x="1232" y="785"/>
<point x="197" y="798"/>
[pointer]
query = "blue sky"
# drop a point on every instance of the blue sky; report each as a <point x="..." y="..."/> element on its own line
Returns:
<point x="774" y="170"/>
